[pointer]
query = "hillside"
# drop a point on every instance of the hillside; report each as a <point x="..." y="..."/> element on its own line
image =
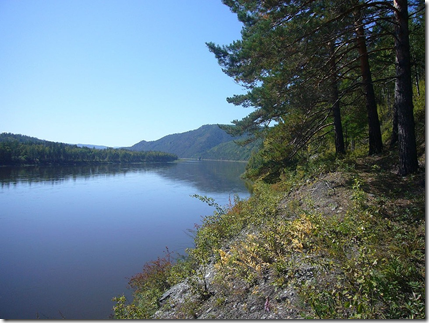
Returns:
<point x="10" y="137"/>
<point x="208" y="141"/>
<point x="333" y="240"/>
<point x="18" y="149"/>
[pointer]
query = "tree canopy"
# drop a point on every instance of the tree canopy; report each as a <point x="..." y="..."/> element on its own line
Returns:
<point x="317" y="74"/>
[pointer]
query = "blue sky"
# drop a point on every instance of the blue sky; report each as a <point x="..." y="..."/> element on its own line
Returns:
<point x="113" y="72"/>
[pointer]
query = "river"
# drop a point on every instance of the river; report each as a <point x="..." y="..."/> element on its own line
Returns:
<point x="71" y="237"/>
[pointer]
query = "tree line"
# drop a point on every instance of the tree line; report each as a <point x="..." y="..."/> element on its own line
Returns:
<point x="328" y="73"/>
<point x="20" y="150"/>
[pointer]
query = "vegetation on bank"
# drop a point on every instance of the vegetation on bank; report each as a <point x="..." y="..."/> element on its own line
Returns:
<point x="24" y="150"/>
<point x="366" y="253"/>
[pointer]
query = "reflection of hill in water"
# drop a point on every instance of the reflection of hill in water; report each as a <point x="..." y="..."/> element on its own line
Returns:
<point x="206" y="176"/>
<point x="209" y="176"/>
<point x="59" y="174"/>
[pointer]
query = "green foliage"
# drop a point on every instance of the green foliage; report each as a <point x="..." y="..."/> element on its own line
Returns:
<point x="229" y="221"/>
<point x="214" y="230"/>
<point x="125" y="311"/>
<point x="23" y="150"/>
<point x="375" y="279"/>
<point x="358" y="196"/>
<point x="379" y="265"/>
<point x="420" y="111"/>
<point x="149" y="285"/>
<point x="299" y="63"/>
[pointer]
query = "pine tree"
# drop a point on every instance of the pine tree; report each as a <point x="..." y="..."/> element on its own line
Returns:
<point x="304" y="62"/>
<point x="403" y="92"/>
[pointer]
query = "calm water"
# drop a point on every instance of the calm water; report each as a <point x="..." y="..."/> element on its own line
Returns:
<point x="71" y="236"/>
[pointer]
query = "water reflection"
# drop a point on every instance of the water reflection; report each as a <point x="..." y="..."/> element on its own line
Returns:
<point x="207" y="176"/>
<point x="59" y="174"/>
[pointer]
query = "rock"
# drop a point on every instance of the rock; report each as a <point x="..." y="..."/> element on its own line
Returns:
<point x="175" y="293"/>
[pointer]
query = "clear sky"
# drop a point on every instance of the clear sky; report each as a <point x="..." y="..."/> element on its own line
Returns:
<point x="113" y="72"/>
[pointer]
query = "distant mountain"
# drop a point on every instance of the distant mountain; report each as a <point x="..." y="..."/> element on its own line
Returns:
<point x="24" y="150"/>
<point x="10" y="137"/>
<point x="208" y="142"/>
<point x="92" y="146"/>
<point x="5" y="136"/>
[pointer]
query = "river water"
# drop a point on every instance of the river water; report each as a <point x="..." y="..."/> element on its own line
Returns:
<point x="71" y="237"/>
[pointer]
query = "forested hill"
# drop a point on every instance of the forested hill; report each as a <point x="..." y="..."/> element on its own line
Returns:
<point x="24" y="150"/>
<point x="208" y="141"/>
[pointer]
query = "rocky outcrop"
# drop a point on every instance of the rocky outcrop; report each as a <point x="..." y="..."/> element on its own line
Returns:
<point x="264" y="299"/>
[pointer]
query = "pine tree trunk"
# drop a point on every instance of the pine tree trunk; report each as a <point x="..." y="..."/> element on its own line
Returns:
<point x="394" y="136"/>
<point x="336" y="112"/>
<point x="339" y="138"/>
<point x="404" y="93"/>
<point x="375" y="141"/>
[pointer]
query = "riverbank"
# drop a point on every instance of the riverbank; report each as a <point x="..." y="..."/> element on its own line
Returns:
<point x="332" y="240"/>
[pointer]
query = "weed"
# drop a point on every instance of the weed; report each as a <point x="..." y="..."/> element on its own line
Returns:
<point x="148" y="286"/>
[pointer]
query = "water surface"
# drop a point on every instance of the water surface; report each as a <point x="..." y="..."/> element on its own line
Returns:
<point x="71" y="236"/>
